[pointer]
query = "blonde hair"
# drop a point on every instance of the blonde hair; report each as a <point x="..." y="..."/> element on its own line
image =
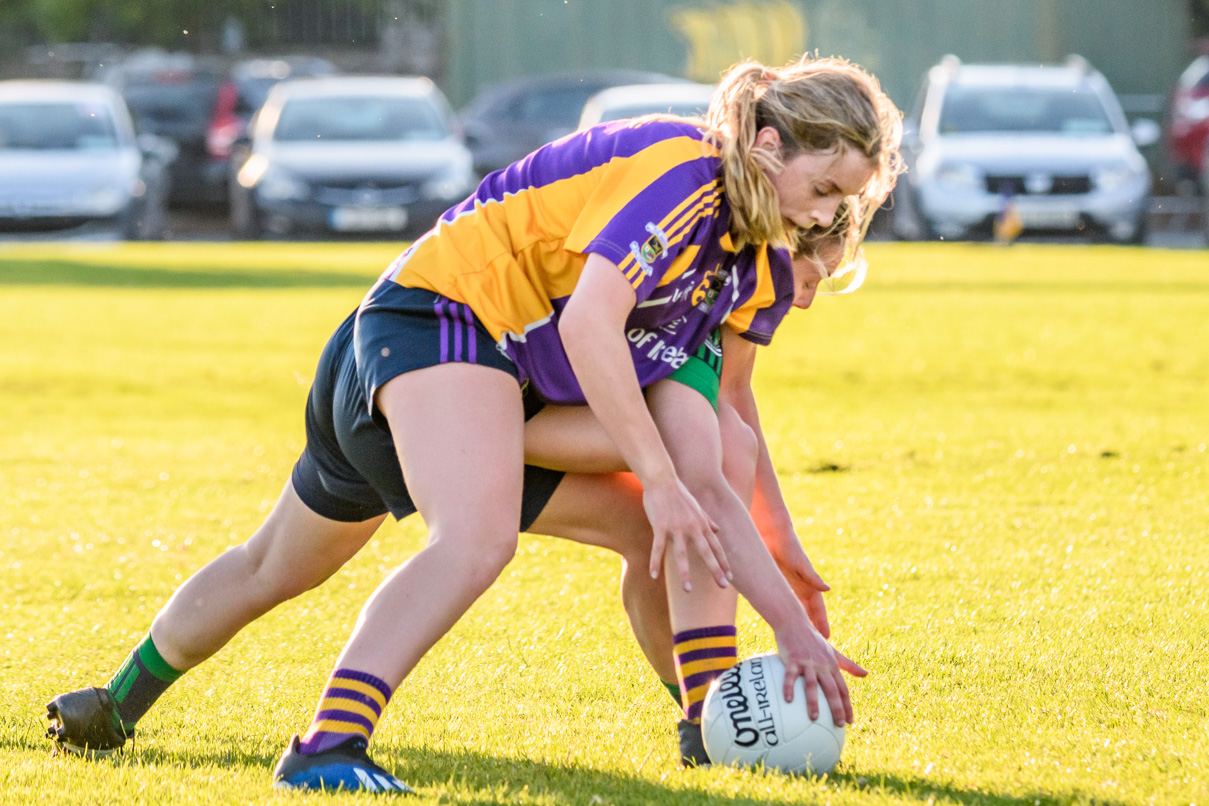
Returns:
<point x="815" y="105"/>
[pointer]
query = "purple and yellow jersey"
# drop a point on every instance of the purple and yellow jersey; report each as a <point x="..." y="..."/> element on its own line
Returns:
<point x="648" y="197"/>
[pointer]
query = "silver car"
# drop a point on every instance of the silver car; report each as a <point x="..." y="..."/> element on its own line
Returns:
<point x="1051" y="141"/>
<point x="686" y="99"/>
<point x="71" y="165"/>
<point x="349" y="155"/>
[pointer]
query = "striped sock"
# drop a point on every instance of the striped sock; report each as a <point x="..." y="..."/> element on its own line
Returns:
<point x="702" y="655"/>
<point x="141" y="679"/>
<point x="351" y="706"/>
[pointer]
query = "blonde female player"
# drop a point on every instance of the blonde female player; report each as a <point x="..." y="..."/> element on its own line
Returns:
<point x="575" y="272"/>
<point x="698" y="643"/>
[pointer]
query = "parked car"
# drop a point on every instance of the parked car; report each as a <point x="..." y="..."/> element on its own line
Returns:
<point x="203" y="107"/>
<point x="350" y="155"/>
<point x="238" y="98"/>
<point x="1050" y="140"/>
<point x="507" y="121"/>
<point x="71" y="165"/>
<point x="173" y="95"/>
<point x="1188" y="120"/>
<point x="687" y="99"/>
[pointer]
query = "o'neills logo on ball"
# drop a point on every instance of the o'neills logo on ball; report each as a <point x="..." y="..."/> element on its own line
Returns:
<point x="764" y="718"/>
<point x="738" y="710"/>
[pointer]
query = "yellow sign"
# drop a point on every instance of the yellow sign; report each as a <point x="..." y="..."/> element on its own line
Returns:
<point x="719" y="35"/>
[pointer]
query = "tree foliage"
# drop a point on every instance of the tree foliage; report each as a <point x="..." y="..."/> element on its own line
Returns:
<point x="173" y="24"/>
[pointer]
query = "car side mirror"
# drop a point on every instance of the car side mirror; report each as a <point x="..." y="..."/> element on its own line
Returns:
<point x="1145" y="132"/>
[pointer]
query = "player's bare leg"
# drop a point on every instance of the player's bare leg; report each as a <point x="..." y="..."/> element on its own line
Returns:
<point x="293" y="551"/>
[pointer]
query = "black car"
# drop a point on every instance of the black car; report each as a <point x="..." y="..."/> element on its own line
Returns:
<point x="506" y="121"/>
<point x="203" y="107"/>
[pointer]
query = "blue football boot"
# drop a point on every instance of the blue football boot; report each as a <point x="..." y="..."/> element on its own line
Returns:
<point x="346" y="766"/>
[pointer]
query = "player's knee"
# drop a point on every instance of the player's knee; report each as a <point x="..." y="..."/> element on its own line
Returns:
<point x="484" y="558"/>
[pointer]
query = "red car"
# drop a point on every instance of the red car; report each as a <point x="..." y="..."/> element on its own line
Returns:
<point x="1188" y="125"/>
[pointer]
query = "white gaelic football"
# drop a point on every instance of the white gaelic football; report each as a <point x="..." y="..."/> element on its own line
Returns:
<point x="746" y="721"/>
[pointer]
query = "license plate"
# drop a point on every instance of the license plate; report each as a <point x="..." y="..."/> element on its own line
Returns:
<point x="1040" y="217"/>
<point x="368" y="219"/>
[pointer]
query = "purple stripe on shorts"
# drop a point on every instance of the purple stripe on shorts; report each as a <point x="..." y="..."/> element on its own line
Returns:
<point x="455" y="311"/>
<point x="439" y="307"/>
<point x="471" y="335"/>
<point x="701" y="678"/>
<point x="702" y="654"/>
<point x="704" y="632"/>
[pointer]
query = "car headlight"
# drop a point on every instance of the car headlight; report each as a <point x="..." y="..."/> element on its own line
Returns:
<point x="280" y="185"/>
<point x="450" y="184"/>
<point x="960" y="176"/>
<point x="1113" y="176"/>
<point x="105" y="200"/>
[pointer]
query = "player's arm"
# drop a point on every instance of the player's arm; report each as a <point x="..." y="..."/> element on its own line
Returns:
<point x="769" y="511"/>
<point x="592" y="326"/>
<point x="690" y="430"/>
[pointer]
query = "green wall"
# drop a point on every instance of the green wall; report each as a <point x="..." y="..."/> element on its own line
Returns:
<point x="1140" y="46"/>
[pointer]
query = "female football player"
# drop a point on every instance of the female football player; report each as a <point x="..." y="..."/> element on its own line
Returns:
<point x="586" y="272"/>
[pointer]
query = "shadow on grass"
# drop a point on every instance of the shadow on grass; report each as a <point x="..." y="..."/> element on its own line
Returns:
<point x="483" y="779"/>
<point x="67" y="272"/>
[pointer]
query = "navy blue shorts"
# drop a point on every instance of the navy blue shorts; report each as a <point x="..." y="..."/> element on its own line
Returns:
<point x="349" y="470"/>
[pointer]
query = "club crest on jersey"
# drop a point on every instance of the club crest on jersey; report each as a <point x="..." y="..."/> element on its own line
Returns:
<point x="649" y="252"/>
<point x="707" y="291"/>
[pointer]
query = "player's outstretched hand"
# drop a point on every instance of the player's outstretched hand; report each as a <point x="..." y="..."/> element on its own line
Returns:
<point x="807" y="585"/>
<point x="678" y="521"/>
<point x="806" y="654"/>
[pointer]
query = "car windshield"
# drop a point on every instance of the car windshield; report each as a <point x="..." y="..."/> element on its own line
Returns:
<point x="57" y="127"/>
<point x="359" y="117"/>
<point x="560" y="106"/>
<point x="1023" y="110"/>
<point x="174" y="104"/>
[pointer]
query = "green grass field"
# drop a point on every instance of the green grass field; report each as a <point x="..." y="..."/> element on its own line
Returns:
<point x="997" y="457"/>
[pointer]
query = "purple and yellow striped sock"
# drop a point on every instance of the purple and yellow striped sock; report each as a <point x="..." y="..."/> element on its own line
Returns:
<point x="702" y="655"/>
<point x="351" y="706"/>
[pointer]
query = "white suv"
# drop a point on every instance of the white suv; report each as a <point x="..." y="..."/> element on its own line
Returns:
<point x="1051" y="140"/>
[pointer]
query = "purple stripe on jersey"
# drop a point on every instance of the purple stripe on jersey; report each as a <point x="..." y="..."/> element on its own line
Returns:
<point x="345" y="716"/>
<point x="705" y="632"/>
<point x="703" y="654"/>
<point x="439" y="307"/>
<point x="575" y="154"/>
<point x="335" y="690"/>
<point x="694" y="680"/>
<point x="471" y="335"/>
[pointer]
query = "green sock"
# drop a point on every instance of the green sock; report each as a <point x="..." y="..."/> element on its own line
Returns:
<point x="674" y="690"/>
<point x="140" y="681"/>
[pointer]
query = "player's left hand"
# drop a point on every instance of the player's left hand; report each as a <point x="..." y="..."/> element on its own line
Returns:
<point x="807" y="585"/>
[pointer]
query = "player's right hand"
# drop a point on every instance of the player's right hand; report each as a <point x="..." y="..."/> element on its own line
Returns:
<point x="806" y="654"/>
<point x="677" y="521"/>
